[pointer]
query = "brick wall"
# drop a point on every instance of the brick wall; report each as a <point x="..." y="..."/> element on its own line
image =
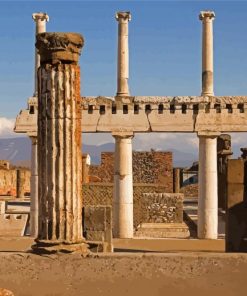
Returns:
<point x="154" y="167"/>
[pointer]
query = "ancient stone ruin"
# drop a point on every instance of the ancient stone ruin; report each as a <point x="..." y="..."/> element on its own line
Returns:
<point x="62" y="115"/>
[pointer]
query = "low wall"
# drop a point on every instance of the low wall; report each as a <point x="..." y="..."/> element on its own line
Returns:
<point x="102" y="194"/>
<point x="8" y="181"/>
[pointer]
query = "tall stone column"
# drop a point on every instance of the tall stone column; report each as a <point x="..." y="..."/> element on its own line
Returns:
<point x="59" y="144"/>
<point x="208" y="189"/>
<point x="207" y="18"/>
<point x="34" y="188"/>
<point x="40" y="19"/>
<point x="123" y="186"/>
<point x="123" y="53"/>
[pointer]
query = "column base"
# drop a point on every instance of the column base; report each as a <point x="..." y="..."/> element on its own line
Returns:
<point x="50" y="247"/>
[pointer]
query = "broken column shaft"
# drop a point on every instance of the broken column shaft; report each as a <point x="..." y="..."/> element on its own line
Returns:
<point x="123" y="19"/>
<point x="59" y="139"/>
<point x="207" y="18"/>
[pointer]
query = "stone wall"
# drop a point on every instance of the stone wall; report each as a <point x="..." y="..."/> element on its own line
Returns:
<point x="102" y="194"/>
<point x="8" y="181"/>
<point x="152" y="167"/>
<point x="190" y="190"/>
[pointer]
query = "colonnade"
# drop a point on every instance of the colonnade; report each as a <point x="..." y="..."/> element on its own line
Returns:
<point x="123" y="176"/>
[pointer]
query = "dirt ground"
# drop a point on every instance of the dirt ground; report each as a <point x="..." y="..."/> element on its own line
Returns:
<point x="125" y="274"/>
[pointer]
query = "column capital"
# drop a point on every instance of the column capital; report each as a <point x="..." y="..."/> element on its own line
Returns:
<point x="124" y="135"/>
<point x="123" y="16"/>
<point x="40" y="16"/>
<point x="59" y="47"/>
<point x="207" y="15"/>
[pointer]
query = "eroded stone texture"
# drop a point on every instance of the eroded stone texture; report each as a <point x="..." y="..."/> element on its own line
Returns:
<point x="59" y="138"/>
<point x="236" y="211"/>
<point x="149" y="167"/>
<point x="163" y="216"/>
<point x="98" y="225"/>
<point x="55" y="47"/>
<point x="163" y="207"/>
<point x="224" y="153"/>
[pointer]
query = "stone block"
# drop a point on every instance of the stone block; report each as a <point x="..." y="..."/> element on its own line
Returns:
<point x="13" y="224"/>
<point x="98" y="226"/>
<point x="236" y="211"/>
<point x="235" y="172"/>
<point x="163" y="230"/>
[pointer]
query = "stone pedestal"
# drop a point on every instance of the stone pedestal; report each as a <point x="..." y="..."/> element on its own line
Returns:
<point x="123" y="53"/>
<point x="207" y="18"/>
<point x="59" y="139"/>
<point x="208" y="189"/>
<point x="123" y="186"/>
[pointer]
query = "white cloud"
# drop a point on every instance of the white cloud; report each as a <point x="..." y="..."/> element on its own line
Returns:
<point x="6" y="127"/>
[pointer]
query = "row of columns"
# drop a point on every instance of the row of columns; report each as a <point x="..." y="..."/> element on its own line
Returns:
<point x="123" y="181"/>
<point x="59" y="186"/>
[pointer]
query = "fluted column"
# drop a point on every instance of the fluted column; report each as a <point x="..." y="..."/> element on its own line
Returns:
<point x="34" y="189"/>
<point x="40" y="19"/>
<point x="123" y="19"/>
<point x="59" y="143"/>
<point x="207" y="18"/>
<point x="123" y="186"/>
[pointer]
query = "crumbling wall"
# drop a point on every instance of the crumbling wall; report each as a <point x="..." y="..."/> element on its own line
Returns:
<point x="152" y="167"/>
<point x="102" y="194"/>
<point x="8" y="181"/>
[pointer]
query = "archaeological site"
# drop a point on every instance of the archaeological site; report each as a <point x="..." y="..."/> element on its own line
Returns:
<point x="68" y="224"/>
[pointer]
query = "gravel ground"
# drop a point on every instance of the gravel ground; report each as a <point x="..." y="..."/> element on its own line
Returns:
<point x="125" y="274"/>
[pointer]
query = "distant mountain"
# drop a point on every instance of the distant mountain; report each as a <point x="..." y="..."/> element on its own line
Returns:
<point x="18" y="152"/>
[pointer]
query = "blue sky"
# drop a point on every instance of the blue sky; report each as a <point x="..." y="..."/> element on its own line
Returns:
<point x="165" y="47"/>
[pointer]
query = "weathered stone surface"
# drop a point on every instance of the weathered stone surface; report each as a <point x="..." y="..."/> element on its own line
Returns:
<point x="13" y="224"/>
<point x="179" y="114"/>
<point x="152" y="167"/>
<point x="163" y="230"/>
<point x="236" y="211"/>
<point x="98" y="225"/>
<point x="59" y="149"/>
<point x="224" y="153"/>
<point x="8" y="182"/>
<point x="163" y="207"/>
<point x="102" y="194"/>
<point x="54" y="47"/>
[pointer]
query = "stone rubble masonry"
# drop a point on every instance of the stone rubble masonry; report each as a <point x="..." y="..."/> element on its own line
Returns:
<point x="153" y="167"/>
<point x="59" y="133"/>
<point x="163" y="207"/>
<point x="8" y="182"/>
<point x="102" y="194"/>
